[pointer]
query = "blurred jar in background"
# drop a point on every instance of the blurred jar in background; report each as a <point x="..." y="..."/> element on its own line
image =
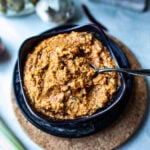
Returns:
<point x="138" y="5"/>
<point x="57" y="11"/>
<point x="17" y="7"/>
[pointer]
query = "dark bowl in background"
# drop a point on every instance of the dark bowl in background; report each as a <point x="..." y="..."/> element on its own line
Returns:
<point x="87" y="124"/>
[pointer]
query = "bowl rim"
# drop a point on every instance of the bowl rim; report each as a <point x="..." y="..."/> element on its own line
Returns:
<point x="56" y="31"/>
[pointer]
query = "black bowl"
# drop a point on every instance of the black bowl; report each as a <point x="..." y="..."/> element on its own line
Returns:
<point x="81" y="126"/>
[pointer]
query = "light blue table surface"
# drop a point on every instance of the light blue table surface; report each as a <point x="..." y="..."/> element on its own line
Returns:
<point x="133" y="28"/>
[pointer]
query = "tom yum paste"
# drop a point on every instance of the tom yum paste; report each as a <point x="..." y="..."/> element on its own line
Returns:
<point x="59" y="81"/>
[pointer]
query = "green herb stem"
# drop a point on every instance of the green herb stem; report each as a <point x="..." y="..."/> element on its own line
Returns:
<point x="12" y="139"/>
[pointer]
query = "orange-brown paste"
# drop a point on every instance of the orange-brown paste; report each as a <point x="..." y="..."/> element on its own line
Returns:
<point x="59" y="81"/>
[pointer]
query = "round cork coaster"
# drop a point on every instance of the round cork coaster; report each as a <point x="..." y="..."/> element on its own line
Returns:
<point x="108" y="138"/>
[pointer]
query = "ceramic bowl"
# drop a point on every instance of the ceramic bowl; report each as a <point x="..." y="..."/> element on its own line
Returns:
<point x="81" y="126"/>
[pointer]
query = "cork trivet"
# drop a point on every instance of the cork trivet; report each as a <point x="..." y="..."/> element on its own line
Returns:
<point x="109" y="138"/>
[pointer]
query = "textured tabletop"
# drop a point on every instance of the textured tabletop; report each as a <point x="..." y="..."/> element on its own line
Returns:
<point x="131" y="27"/>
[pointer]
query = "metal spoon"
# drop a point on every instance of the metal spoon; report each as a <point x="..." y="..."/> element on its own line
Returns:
<point x="138" y="72"/>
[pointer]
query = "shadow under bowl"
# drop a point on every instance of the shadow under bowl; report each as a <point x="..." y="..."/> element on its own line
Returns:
<point x="72" y="127"/>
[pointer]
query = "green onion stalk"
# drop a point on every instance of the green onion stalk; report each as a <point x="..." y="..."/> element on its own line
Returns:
<point x="11" y="138"/>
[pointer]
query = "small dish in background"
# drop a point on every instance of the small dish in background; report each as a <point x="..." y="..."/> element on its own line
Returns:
<point x="2" y="48"/>
<point x="11" y="8"/>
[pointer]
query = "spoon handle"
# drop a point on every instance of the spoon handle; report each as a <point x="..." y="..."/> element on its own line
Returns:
<point x="139" y="72"/>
